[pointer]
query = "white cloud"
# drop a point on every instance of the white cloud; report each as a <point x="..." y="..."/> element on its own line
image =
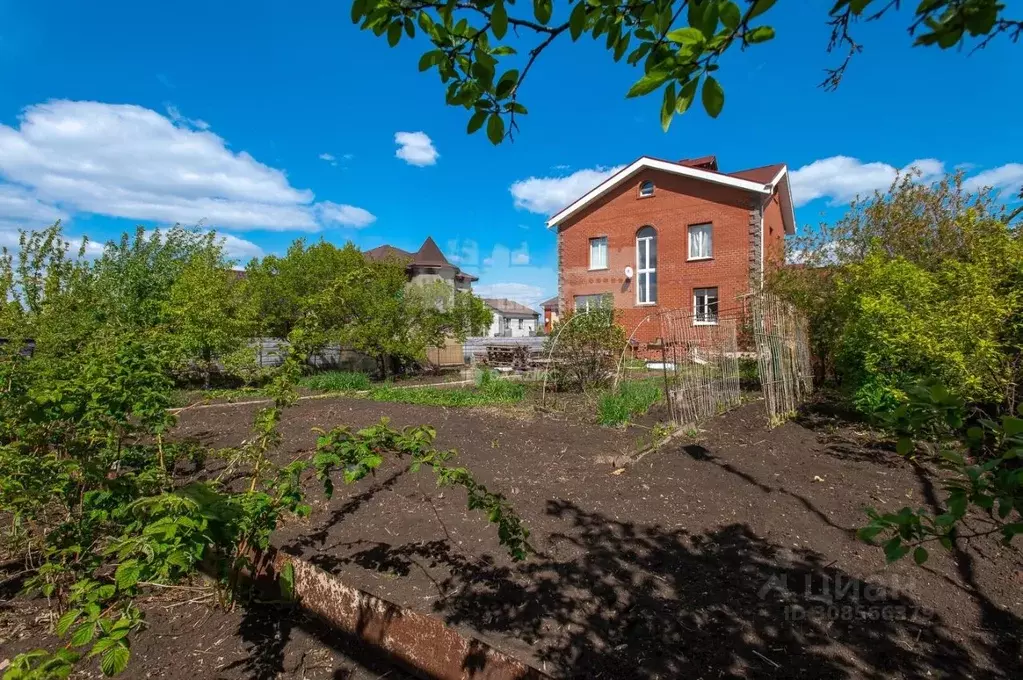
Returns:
<point x="520" y="257"/>
<point x="345" y="215"/>
<point x="1006" y="179"/>
<point x="127" y="161"/>
<point x="240" y="249"/>
<point x="842" y="178"/>
<point x="326" y="157"/>
<point x="546" y="195"/>
<point x="415" y="148"/>
<point x="175" y="115"/>
<point x="523" y="293"/>
<point x="19" y="203"/>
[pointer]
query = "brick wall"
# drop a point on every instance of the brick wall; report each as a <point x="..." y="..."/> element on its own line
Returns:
<point x="677" y="203"/>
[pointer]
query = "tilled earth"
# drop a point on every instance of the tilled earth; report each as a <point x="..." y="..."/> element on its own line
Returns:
<point x="727" y="553"/>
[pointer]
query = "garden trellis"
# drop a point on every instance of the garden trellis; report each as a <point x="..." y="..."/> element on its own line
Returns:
<point x="781" y="336"/>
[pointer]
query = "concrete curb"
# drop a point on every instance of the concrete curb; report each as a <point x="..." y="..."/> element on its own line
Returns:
<point x="422" y="645"/>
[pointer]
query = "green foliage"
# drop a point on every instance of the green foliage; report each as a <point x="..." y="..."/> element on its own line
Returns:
<point x="984" y="485"/>
<point x="631" y="399"/>
<point x="922" y="283"/>
<point x="680" y="42"/>
<point x="358" y="454"/>
<point x="491" y="391"/>
<point x="336" y="381"/>
<point x="86" y="476"/>
<point x="585" y="348"/>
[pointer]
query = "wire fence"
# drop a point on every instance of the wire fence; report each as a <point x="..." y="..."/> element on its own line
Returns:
<point x="700" y="362"/>
<point x="782" y="341"/>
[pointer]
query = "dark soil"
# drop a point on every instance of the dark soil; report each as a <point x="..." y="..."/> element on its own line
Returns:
<point x="731" y="553"/>
<point x="189" y="640"/>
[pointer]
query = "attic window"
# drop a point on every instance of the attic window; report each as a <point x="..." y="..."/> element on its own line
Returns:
<point x="646" y="188"/>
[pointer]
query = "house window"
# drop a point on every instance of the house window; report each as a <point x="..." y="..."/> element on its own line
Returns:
<point x="646" y="188"/>
<point x="646" y="266"/>
<point x="705" y="306"/>
<point x="598" y="253"/>
<point x="700" y="247"/>
<point x="520" y="324"/>
<point x="584" y="303"/>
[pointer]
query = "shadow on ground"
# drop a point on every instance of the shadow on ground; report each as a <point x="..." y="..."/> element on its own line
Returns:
<point x="644" y="601"/>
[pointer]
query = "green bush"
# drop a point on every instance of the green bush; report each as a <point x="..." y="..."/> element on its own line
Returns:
<point x="489" y="391"/>
<point x="585" y="348"/>
<point x="336" y="381"/>
<point x="629" y="400"/>
<point x="924" y="283"/>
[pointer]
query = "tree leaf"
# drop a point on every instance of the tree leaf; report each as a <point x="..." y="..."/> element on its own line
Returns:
<point x="760" y="34"/>
<point x="495" y="128"/>
<point x="507" y="82"/>
<point x="904" y="446"/>
<point x="686" y="36"/>
<point x="477" y="120"/>
<point x="577" y="20"/>
<point x="713" y="97"/>
<point x="65" y="622"/>
<point x="730" y="15"/>
<point x="920" y="555"/>
<point x="894" y="550"/>
<point x="499" y="19"/>
<point x="394" y="33"/>
<point x="668" y="106"/>
<point x="647" y="84"/>
<point x="543" y="9"/>
<point x="127" y="574"/>
<point x="686" y="95"/>
<point x="759" y="7"/>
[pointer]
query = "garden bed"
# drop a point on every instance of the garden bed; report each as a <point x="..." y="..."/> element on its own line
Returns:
<point x="716" y="555"/>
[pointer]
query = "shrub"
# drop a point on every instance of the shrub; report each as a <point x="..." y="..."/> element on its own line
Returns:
<point x="629" y="400"/>
<point x="584" y="348"/>
<point x="923" y="283"/>
<point x="336" y="381"/>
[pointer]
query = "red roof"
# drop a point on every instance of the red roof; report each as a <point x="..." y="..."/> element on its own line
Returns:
<point x="428" y="255"/>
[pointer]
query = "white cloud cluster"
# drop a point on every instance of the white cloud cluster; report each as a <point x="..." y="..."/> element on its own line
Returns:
<point x="842" y="178"/>
<point x="344" y="215"/>
<point x="546" y="195"/>
<point x="128" y="161"/>
<point x="415" y="148"/>
<point x="1006" y="180"/>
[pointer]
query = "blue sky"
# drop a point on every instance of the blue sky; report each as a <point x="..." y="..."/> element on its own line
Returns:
<point x="271" y="120"/>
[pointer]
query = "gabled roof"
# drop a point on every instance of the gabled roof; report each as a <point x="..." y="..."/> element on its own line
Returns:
<point x="509" y="307"/>
<point x="550" y="304"/>
<point x="428" y="255"/>
<point x="760" y="181"/>
<point x="385" y="252"/>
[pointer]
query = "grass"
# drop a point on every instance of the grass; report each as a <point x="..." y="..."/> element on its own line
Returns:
<point x="631" y="399"/>
<point x="187" y="397"/>
<point x="336" y="381"/>
<point x="490" y="390"/>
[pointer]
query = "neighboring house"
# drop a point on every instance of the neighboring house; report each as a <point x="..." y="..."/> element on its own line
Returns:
<point x="511" y="320"/>
<point x="550" y="313"/>
<point x="425" y="265"/>
<point x="661" y="235"/>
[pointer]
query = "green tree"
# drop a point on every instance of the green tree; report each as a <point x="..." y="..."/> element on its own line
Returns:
<point x="205" y="313"/>
<point x="475" y="44"/>
<point x="924" y="282"/>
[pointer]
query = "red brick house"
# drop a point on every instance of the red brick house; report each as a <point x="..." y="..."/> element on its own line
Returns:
<point x="661" y="235"/>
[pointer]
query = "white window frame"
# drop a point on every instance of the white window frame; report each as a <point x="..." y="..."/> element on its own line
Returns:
<point x="643" y="242"/>
<point x="696" y="307"/>
<point x="597" y="305"/>
<point x="710" y="241"/>
<point x="598" y="241"/>
<point x="642" y="189"/>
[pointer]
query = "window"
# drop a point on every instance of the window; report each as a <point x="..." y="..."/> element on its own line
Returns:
<point x="700" y="242"/>
<point x="520" y="324"/>
<point x="584" y="303"/>
<point x="598" y="253"/>
<point x="646" y="188"/>
<point x="646" y="266"/>
<point x="705" y="306"/>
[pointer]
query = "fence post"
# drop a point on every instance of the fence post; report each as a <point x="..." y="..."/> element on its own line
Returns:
<point x="667" y="390"/>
